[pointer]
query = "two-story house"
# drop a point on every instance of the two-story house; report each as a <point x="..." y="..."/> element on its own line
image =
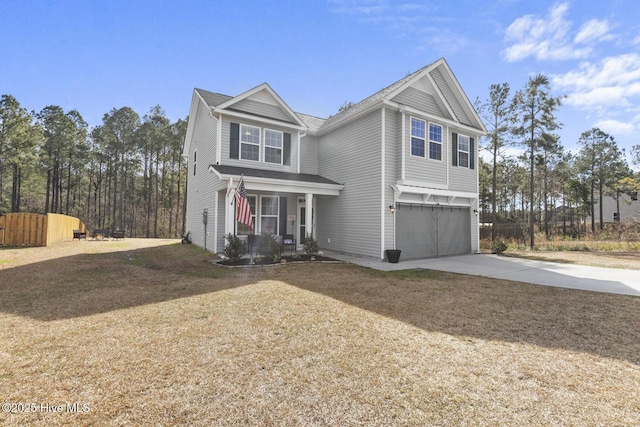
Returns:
<point x="396" y="170"/>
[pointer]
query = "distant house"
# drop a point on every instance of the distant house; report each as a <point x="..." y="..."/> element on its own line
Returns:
<point x="626" y="205"/>
<point x="398" y="169"/>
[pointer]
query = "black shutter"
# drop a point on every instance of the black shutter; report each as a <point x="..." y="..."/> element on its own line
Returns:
<point x="454" y="149"/>
<point x="472" y="153"/>
<point x="283" y="215"/>
<point x="286" y="150"/>
<point x="234" y="147"/>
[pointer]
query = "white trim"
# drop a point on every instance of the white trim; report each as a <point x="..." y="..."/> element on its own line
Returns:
<point x="425" y="140"/>
<point x="308" y="222"/>
<point x="193" y="113"/>
<point x="215" y="222"/>
<point x="399" y="190"/>
<point x="428" y="148"/>
<point x="447" y="161"/>
<point x="259" y="88"/>
<point x="468" y="151"/>
<point x="254" y="214"/>
<point x="383" y="209"/>
<point x="283" y="185"/>
<point x="229" y="216"/>
<point x="240" y="141"/>
<point x="265" y="146"/>
<point x="441" y="96"/>
<point x="277" y="216"/>
<point x="245" y="116"/>
<point x="444" y="120"/>
<point x="422" y="184"/>
<point x="299" y="143"/>
<point x="219" y="140"/>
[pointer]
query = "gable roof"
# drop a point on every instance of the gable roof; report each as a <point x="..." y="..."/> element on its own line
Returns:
<point x="212" y="99"/>
<point x="262" y="93"/>
<point x="450" y="96"/>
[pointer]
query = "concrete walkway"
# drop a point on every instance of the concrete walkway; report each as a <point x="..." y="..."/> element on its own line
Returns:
<point x="612" y="280"/>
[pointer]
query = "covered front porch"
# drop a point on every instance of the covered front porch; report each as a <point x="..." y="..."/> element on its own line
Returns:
<point x="283" y="204"/>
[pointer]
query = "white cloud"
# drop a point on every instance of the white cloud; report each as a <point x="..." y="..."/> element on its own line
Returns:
<point x="594" y="30"/>
<point x="615" y="81"/>
<point x="548" y="37"/>
<point x="616" y="127"/>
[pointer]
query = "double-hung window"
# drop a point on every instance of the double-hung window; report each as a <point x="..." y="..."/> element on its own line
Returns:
<point x="273" y="146"/>
<point x="249" y="143"/>
<point x="463" y="151"/>
<point x="418" y="135"/>
<point x="269" y="207"/>
<point x="435" y="141"/>
<point x="243" y="229"/>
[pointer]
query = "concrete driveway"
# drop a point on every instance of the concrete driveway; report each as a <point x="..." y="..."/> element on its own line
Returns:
<point x="612" y="280"/>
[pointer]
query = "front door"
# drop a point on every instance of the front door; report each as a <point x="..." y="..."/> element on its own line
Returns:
<point x="302" y="218"/>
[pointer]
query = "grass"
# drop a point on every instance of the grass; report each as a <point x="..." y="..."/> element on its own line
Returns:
<point x="159" y="335"/>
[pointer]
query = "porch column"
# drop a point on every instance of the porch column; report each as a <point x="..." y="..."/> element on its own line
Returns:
<point x="229" y="211"/>
<point x="309" y="226"/>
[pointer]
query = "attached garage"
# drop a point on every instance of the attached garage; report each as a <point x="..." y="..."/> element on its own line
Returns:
<point x="424" y="231"/>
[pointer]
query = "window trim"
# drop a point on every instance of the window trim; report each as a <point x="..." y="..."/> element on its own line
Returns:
<point x="423" y="139"/>
<point x="276" y="216"/>
<point x="241" y="142"/>
<point x="195" y="161"/>
<point x="439" y="143"/>
<point x="265" y="146"/>
<point x="254" y="215"/>
<point x="461" y="151"/>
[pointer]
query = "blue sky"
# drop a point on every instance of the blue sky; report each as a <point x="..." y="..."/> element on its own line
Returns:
<point x="97" y="55"/>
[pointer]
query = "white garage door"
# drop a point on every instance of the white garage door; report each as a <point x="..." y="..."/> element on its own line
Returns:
<point x="424" y="231"/>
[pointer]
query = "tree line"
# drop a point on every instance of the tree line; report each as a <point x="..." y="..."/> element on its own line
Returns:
<point x="545" y="187"/>
<point x="127" y="173"/>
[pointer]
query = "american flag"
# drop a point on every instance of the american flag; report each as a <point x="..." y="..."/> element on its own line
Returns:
<point x="244" y="210"/>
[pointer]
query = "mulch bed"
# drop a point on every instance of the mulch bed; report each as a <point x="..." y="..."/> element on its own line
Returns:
<point x="269" y="261"/>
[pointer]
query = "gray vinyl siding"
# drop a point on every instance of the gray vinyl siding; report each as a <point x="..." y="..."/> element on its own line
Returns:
<point x="308" y="154"/>
<point x="448" y="94"/>
<point x="393" y="143"/>
<point x="199" y="194"/>
<point x="351" y="154"/>
<point x="226" y="136"/>
<point x="262" y="109"/>
<point x="420" y="100"/>
<point x="461" y="178"/>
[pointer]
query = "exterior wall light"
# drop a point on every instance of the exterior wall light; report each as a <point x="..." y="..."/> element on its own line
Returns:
<point x="392" y="209"/>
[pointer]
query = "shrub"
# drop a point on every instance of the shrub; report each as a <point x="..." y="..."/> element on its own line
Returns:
<point x="498" y="246"/>
<point x="269" y="247"/>
<point x="310" y="245"/>
<point x="236" y="247"/>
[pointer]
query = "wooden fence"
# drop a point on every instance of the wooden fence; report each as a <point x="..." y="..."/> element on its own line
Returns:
<point x="30" y="229"/>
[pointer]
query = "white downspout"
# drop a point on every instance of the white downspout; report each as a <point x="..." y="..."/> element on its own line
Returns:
<point x="383" y="209"/>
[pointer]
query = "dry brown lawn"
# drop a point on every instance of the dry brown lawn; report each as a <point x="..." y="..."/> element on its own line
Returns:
<point x="146" y="332"/>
